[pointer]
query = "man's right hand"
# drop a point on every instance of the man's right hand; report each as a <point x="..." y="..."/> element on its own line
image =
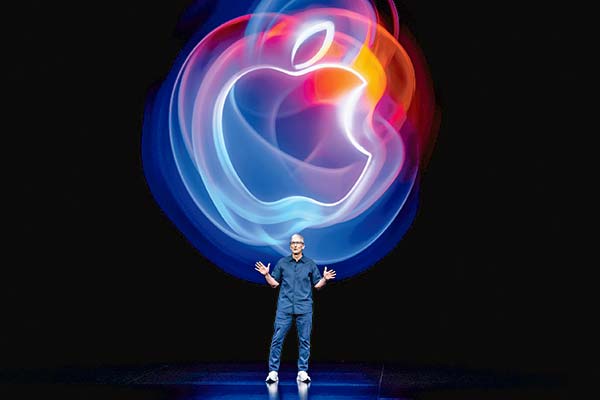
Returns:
<point x="260" y="267"/>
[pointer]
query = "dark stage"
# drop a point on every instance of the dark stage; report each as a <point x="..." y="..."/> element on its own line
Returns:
<point x="483" y="298"/>
<point x="351" y="381"/>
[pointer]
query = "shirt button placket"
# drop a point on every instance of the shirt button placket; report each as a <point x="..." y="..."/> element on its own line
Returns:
<point x="294" y="291"/>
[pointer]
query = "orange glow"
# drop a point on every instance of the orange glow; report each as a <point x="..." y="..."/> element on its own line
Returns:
<point x="398" y="66"/>
<point x="279" y="29"/>
<point x="369" y="67"/>
<point x="332" y="83"/>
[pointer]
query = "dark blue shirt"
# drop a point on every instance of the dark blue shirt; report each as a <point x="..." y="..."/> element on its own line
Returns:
<point x="296" y="280"/>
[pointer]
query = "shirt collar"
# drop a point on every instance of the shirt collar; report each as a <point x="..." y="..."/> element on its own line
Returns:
<point x="291" y="259"/>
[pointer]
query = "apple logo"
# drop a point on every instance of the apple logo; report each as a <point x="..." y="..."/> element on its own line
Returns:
<point x="301" y="127"/>
<point x="331" y="182"/>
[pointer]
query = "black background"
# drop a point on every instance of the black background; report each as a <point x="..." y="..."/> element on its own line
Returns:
<point x="101" y="275"/>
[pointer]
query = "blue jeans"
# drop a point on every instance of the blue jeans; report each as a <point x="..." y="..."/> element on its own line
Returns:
<point x="283" y="321"/>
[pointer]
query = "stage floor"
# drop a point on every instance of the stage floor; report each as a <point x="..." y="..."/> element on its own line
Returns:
<point x="341" y="381"/>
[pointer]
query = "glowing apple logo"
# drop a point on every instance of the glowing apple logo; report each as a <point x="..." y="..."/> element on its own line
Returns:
<point x="314" y="121"/>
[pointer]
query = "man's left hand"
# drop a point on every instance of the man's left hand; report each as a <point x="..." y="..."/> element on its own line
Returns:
<point x="328" y="275"/>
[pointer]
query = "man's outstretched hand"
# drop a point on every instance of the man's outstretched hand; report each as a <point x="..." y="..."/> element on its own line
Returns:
<point x="260" y="267"/>
<point x="328" y="274"/>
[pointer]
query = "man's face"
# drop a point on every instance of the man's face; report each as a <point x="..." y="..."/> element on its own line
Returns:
<point x="296" y="244"/>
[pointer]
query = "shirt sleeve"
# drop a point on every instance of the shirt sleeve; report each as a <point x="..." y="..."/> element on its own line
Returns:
<point x="316" y="274"/>
<point x="276" y="273"/>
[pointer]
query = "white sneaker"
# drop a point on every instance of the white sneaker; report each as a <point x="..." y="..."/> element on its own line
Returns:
<point x="303" y="376"/>
<point x="272" y="377"/>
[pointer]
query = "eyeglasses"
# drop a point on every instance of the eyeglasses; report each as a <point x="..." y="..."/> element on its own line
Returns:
<point x="296" y="242"/>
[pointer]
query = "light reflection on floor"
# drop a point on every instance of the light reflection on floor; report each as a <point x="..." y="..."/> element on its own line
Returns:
<point x="247" y="382"/>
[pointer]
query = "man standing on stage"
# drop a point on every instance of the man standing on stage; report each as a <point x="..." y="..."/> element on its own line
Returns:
<point x="297" y="275"/>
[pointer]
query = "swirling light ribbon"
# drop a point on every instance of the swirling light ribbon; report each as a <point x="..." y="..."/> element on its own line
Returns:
<point x="302" y="116"/>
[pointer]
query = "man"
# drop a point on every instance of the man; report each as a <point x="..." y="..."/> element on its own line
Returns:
<point x="297" y="275"/>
